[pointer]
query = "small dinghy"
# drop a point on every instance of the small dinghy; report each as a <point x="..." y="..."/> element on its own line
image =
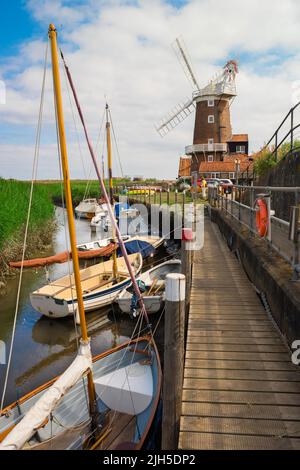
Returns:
<point x="108" y="402"/>
<point x="127" y="382"/>
<point x="144" y="244"/>
<point x="87" y="209"/>
<point x="152" y="283"/>
<point x="99" y="287"/>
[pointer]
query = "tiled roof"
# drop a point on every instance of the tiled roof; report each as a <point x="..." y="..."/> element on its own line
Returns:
<point x="232" y="156"/>
<point x="222" y="167"/>
<point x="239" y="138"/>
<point x="184" y="166"/>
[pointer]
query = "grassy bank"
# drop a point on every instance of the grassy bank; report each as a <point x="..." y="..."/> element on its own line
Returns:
<point x="14" y="200"/>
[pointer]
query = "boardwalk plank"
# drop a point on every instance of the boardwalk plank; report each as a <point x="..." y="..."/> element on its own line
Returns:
<point x="240" y="390"/>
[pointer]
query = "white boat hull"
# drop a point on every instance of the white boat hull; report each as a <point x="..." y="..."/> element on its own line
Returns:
<point x="55" y="300"/>
<point x="153" y="303"/>
<point x="50" y="307"/>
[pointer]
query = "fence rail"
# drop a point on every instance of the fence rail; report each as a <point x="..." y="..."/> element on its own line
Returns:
<point x="241" y="206"/>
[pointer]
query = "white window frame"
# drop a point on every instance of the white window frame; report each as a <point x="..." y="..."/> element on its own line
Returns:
<point x="210" y="103"/>
<point x="210" y="158"/>
<point x="211" y="119"/>
<point x="239" y="149"/>
<point x="231" y="176"/>
<point x="210" y="141"/>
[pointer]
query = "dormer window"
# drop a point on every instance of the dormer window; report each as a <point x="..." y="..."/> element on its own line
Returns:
<point x="240" y="149"/>
<point x="211" y="119"/>
<point x="210" y="103"/>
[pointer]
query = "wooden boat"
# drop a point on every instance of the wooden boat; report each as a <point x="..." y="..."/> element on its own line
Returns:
<point x="123" y="211"/>
<point x="154" y="295"/>
<point x="96" y="244"/>
<point x="154" y="241"/>
<point x="108" y="402"/>
<point x="127" y="383"/>
<point x="99" y="288"/>
<point x="87" y="208"/>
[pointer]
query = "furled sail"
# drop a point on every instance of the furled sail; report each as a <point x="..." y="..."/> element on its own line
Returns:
<point x="63" y="257"/>
<point x="40" y="411"/>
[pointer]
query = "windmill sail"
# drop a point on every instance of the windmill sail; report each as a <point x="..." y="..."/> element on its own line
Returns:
<point x="181" y="52"/>
<point x="175" y="117"/>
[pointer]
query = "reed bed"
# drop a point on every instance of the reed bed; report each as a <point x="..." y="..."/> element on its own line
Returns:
<point x="14" y="200"/>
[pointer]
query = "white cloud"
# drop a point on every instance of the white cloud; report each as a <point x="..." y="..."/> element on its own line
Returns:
<point x="123" y="50"/>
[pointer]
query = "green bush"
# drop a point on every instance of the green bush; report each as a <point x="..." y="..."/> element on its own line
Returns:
<point x="266" y="159"/>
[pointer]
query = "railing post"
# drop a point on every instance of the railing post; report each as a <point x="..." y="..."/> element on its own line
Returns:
<point x="292" y="129"/>
<point x="160" y="196"/>
<point x="294" y="237"/>
<point x="176" y="195"/>
<point x="168" y="197"/>
<point x="251" y="207"/>
<point x="276" y="143"/>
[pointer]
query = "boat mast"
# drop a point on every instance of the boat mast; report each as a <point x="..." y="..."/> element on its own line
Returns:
<point x="110" y="182"/>
<point x="69" y="206"/>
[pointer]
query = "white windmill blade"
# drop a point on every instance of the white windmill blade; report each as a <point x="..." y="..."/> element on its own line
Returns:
<point x="181" y="52"/>
<point x="175" y="117"/>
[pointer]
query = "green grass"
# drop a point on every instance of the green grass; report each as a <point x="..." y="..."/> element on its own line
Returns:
<point x="14" y="200"/>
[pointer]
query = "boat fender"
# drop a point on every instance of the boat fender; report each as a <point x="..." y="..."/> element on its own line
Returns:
<point x="261" y="217"/>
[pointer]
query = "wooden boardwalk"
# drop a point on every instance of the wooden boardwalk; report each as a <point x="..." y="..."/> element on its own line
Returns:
<point x="241" y="390"/>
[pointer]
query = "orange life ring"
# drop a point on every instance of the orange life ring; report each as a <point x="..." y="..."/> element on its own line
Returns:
<point x="261" y="217"/>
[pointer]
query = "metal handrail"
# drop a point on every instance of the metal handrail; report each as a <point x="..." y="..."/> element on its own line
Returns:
<point x="290" y="132"/>
<point x="289" y="248"/>
<point x="287" y="189"/>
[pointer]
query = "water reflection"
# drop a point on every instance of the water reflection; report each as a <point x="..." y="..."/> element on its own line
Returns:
<point x="45" y="347"/>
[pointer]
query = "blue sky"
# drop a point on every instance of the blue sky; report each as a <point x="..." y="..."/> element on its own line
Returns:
<point x="143" y="80"/>
<point x="17" y="25"/>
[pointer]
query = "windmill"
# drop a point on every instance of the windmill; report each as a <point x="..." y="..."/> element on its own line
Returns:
<point x="212" y="128"/>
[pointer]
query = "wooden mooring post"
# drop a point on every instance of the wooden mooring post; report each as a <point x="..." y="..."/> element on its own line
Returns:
<point x="173" y="359"/>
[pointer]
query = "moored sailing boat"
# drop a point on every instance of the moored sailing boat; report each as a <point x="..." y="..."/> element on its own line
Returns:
<point x="108" y="402"/>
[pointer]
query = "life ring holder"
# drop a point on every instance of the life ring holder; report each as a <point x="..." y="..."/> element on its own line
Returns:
<point x="262" y="215"/>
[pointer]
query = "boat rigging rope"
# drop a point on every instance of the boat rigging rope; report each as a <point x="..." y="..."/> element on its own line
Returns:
<point x="116" y="144"/>
<point x="77" y="335"/>
<point x="75" y="127"/>
<point x="109" y="207"/>
<point x="33" y="179"/>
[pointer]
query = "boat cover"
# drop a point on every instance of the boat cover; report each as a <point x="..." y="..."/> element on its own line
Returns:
<point x="138" y="246"/>
<point x="63" y="257"/>
<point x="41" y="410"/>
<point x="120" y="206"/>
<point x="128" y="389"/>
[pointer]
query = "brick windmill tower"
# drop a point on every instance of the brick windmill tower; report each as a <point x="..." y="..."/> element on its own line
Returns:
<point x="212" y="130"/>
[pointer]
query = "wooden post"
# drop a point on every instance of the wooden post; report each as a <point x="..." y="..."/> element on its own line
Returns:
<point x="186" y="269"/>
<point x="149" y="193"/>
<point x="160" y="196"/>
<point x="168" y="197"/>
<point x="155" y="196"/>
<point x="176" y="195"/>
<point x="173" y="359"/>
